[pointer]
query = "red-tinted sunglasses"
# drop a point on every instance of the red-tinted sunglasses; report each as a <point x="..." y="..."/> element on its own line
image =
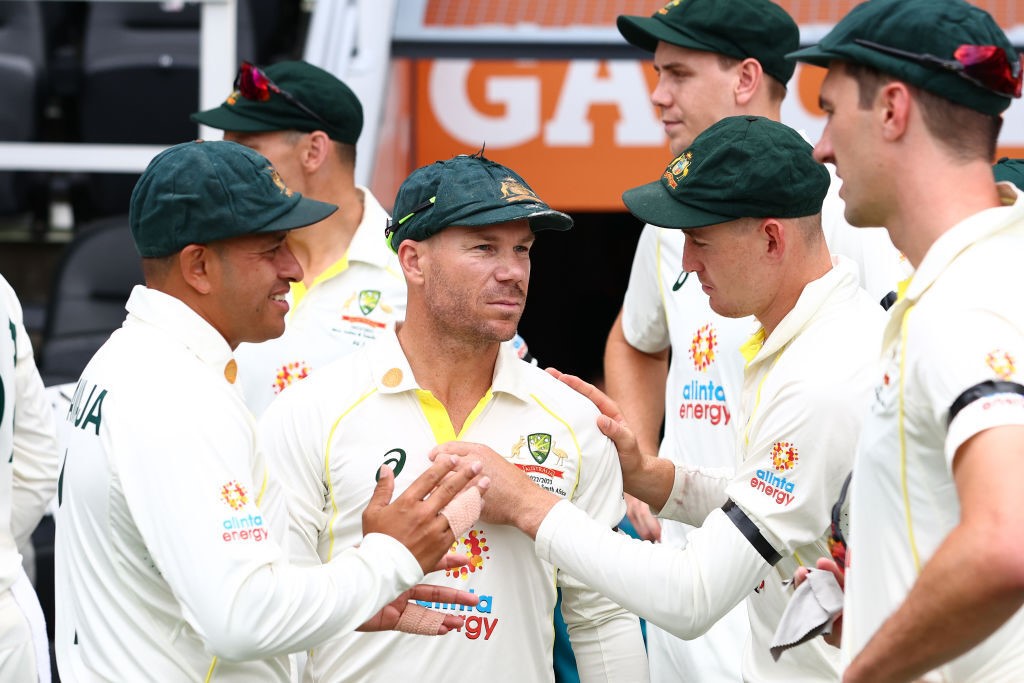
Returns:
<point x="986" y="66"/>
<point x="252" y="84"/>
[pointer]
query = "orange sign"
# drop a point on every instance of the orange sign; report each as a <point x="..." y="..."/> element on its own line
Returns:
<point x="580" y="131"/>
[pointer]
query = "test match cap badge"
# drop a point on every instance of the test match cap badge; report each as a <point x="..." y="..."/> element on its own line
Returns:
<point x="1010" y="171"/>
<point x="199" y="192"/>
<point x="741" y="167"/>
<point x="466" y="190"/>
<point x="735" y="28"/>
<point x="948" y="47"/>
<point x="324" y="103"/>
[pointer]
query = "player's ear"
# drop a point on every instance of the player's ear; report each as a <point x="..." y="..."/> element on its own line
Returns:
<point x="410" y="256"/>
<point x="196" y="263"/>
<point x="749" y="77"/>
<point x="316" y="150"/>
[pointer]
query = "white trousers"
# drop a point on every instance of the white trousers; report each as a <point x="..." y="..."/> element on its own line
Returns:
<point x="24" y="646"/>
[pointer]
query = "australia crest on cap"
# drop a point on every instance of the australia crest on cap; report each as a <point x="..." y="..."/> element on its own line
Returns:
<point x="678" y="169"/>
<point x="514" y="191"/>
<point x="669" y="5"/>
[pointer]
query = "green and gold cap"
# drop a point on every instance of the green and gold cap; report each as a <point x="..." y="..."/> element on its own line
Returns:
<point x="467" y="190"/>
<point x="947" y="47"/>
<point x="324" y="103"/>
<point x="735" y="28"/>
<point x="200" y="192"/>
<point x="741" y="167"/>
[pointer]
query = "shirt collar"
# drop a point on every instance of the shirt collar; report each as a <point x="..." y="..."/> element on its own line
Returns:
<point x="368" y="244"/>
<point x="176" y="320"/>
<point x="392" y="374"/>
<point x="963" y="235"/>
<point x="842" y="275"/>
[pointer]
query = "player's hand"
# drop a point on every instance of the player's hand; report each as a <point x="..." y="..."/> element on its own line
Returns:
<point x="402" y="615"/>
<point x="800" y="575"/>
<point x="612" y="424"/>
<point x="414" y="518"/>
<point x="512" y="498"/>
<point x="646" y="524"/>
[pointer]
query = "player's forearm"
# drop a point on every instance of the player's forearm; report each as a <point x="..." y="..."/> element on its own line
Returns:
<point x="684" y="591"/>
<point x="969" y="588"/>
<point x="281" y="609"/>
<point x="652" y="482"/>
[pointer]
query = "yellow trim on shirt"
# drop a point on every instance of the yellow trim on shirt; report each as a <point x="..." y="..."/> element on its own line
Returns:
<point x="263" y="488"/>
<point x="327" y="469"/>
<point x="575" y="444"/>
<point x="901" y="288"/>
<point x="438" y="419"/>
<point x="904" y="334"/>
<point x="299" y="289"/>
<point x="752" y="346"/>
<point x="209" y="673"/>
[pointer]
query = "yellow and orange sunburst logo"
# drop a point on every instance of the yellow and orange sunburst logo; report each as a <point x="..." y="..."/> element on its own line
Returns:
<point x="235" y="495"/>
<point x="288" y="373"/>
<point x="474" y="545"/>
<point x="703" y="346"/>
<point x="1001" y="363"/>
<point x="784" y="456"/>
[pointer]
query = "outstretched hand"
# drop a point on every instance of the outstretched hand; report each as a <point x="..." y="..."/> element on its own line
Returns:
<point x="402" y="614"/>
<point x="611" y="422"/>
<point x="414" y="518"/>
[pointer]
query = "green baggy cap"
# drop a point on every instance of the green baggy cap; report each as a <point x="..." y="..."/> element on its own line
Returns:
<point x="741" y="167"/>
<point x="734" y="28"/>
<point x="1010" y="171"/>
<point x="200" y="192"/>
<point x="341" y="114"/>
<point x="466" y="190"/>
<point x="947" y="47"/>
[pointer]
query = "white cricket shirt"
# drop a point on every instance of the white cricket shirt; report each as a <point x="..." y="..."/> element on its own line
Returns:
<point x="958" y="323"/>
<point x="329" y="434"/>
<point x="169" y="555"/>
<point x="804" y="396"/>
<point x="348" y="305"/>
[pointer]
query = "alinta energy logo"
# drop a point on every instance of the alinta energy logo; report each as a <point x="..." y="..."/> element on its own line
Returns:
<point x="704" y="400"/>
<point x="1001" y="363"/>
<point x="288" y="373"/>
<point x="703" y="347"/>
<point x="784" y="457"/>
<point x="235" y="495"/>
<point x="474" y="546"/>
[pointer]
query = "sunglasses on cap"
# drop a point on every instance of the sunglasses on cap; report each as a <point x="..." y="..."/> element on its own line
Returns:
<point x="393" y="225"/>
<point x="986" y="66"/>
<point x="252" y="84"/>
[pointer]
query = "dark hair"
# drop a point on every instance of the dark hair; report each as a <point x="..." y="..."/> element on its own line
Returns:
<point x="966" y="133"/>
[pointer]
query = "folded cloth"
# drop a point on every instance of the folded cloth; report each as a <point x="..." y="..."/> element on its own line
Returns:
<point x="812" y="611"/>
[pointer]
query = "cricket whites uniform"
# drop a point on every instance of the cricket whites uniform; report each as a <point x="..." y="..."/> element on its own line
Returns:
<point x="328" y="435"/>
<point x="951" y="368"/>
<point x="702" y="392"/>
<point x="170" y="534"/>
<point x="28" y="480"/>
<point x="805" y="391"/>
<point x="348" y="305"/>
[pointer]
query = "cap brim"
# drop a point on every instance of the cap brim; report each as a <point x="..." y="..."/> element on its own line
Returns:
<point x="223" y="118"/>
<point x="653" y="204"/>
<point x="813" y="55"/>
<point x="646" y="32"/>
<point x="305" y="212"/>
<point x="540" y="217"/>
